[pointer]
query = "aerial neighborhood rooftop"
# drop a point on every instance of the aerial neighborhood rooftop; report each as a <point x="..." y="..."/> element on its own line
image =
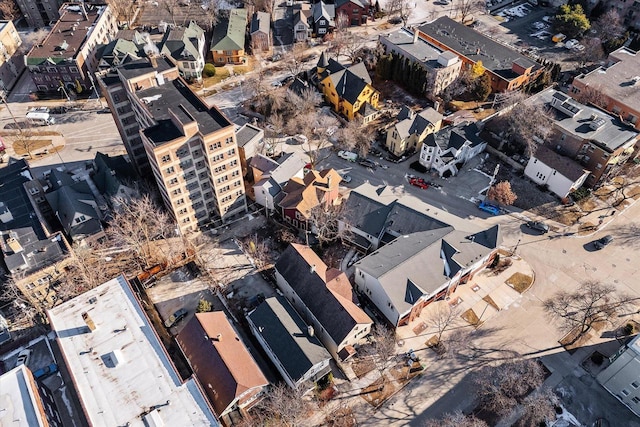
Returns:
<point x="319" y="213"/>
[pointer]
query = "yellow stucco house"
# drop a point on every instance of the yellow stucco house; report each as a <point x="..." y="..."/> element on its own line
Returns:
<point x="411" y="130"/>
<point x="348" y="89"/>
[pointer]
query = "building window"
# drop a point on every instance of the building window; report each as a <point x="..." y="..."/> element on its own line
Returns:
<point x="625" y="392"/>
<point x="635" y="384"/>
<point x="166" y="158"/>
<point x="171" y="169"/>
<point x="636" y="400"/>
<point x="215" y="145"/>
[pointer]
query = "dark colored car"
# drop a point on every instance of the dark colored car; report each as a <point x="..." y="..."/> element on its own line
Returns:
<point x="603" y="241"/>
<point x="419" y="182"/>
<point x="367" y="163"/>
<point x="46" y="371"/>
<point x="539" y="226"/>
<point x="175" y="317"/>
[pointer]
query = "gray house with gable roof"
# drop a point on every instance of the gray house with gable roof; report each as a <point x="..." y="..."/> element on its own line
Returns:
<point x="289" y="342"/>
<point x="322" y="18"/>
<point x="411" y="129"/>
<point x="271" y="176"/>
<point x="186" y="48"/>
<point x="448" y="150"/>
<point x="260" y="32"/>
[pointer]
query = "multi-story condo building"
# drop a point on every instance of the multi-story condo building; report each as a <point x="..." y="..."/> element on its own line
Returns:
<point x="11" y="61"/>
<point x="118" y="86"/>
<point x="442" y="66"/>
<point x="39" y="13"/>
<point x="193" y="154"/>
<point x="615" y="85"/>
<point x="67" y="56"/>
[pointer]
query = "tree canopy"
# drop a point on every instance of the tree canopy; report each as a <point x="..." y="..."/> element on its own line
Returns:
<point x="571" y="20"/>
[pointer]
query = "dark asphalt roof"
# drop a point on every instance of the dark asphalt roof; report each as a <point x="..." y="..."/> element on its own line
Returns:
<point x="143" y="66"/>
<point x="566" y="166"/>
<point x="176" y="97"/>
<point x="476" y="46"/>
<point x="24" y="227"/>
<point x="247" y="133"/>
<point x="111" y="172"/>
<point x="349" y="82"/>
<point x="287" y="336"/>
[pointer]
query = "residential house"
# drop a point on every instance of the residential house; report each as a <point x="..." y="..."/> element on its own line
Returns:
<point x="302" y="195"/>
<point x="260" y="32"/>
<point x="66" y="58"/>
<point x="629" y="11"/>
<point x="40" y="13"/>
<point x="290" y="343"/>
<point x="186" y="48"/>
<point x="114" y="178"/>
<point x="621" y="377"/>
<point x="301" y="19"/>
<point x="597" y="140"/>
<point x="348" y="89"/>
<point x="222" y="364"/>
<point x="249" y="139"/>
<point x="227" y="43"/>
<point x="118" y="366"/>
<point x="11" y="60"/>
<point x="356" y="11"/>
<point x="508" y="69"/>
<point x="324" y="298"/>
<point x="560" y="174"/>
<point x="442" y="66"/>
<point x="75" y="206"/>
<point x="616" y="84"/>
<point x="448" y="150"/>
<point x="322" y="20"/>
<point x="32" y="253"/>
<point x="374" y="216"/>
<point x="119" y="84"/>
<point x="30" y="403"/>
<point x="404" y="276"/>
<point x="120" y="51"/>
<point x="411" y="129"/>
<point x="270" y="177"/>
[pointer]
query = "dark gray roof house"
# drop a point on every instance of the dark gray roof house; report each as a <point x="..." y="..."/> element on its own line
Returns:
<point x="111" y="173"/>
<point x="289" y="342"/>
<point x="183" y="44"/>
<point x="349" y="82"/>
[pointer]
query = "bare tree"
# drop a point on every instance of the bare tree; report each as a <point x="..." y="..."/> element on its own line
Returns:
<point x="608" y="26"/>
<point x="528" y="125"/>
<point x="355" y="136"/>
<point x="293" y="60"/>
<point x="353" y="46"/>
<point x="538" y="409"/>
<point x="441" y="318"/>
<point x="457" y="419"/>
<point x="405" y="11"/>
<point x="124" y="10"/>
<point x="87" y="269"/>
<point x="308" y="100"/>
<point x="465" y="8"/>
<point x="259" y="250"/>
<point x="136" y="225"/>
<point x="502" y="193"/>
<point x="592" y="95"/>
<point x="10" y="294"/>
<point x="593" y="51"/>
<point x="382" y="349"/>
<point x="592" y="303"/>
<point x="24" y="142"/>
<point x="9" y="10"/>
<point x="209" y="12"/>
<point x="340" y="34"/>
<point x="171" y="7"/>
<point x="500" y="388"/>
<point x="324" y="222"/>
<point x="285" y="406"/>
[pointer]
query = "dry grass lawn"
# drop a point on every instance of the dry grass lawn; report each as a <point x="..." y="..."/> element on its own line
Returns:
<point x="378" y="391"/>
<point x="586" y="228"/>
<point x="362" y="367"/>
<point x="35" y="145"/>
<point x="221" y="74"/>
<point x="471" y="317"/>
<point x="568" y="217"/>
<point x="491" y="302"/>
<point x="520" y="282"/>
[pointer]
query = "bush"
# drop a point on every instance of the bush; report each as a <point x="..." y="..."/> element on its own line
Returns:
<point x="580" y="194"/>
<point x="204" y="306"/>
<point x="628" y="329"/>
<point x="209" y="70"/>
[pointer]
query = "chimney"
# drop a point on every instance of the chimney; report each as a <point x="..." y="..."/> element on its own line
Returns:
<point x="313" y="269"/>
<point x="153" y="60"/>
<point x="219" y="337"/>
<point x="415" y="35"/>
<point x="310" y="330"/>
<point x="88" y="321"/>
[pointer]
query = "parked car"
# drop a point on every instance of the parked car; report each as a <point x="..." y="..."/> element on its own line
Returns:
<point x="603" y="241"/>
<point x="46" y="371"/>
<point x="488" y="207"/>
<point x="23" y="357"/>
<point x="175" y="317"/>
<point x="348" y="155"/>
<point x="302" y="139"/>
<point x="346" y="178"/>
<point x="539" y="226"/>
<point x="367" y="163"/>
<point x="571" y="44"/>
<point x="419" y="182"/>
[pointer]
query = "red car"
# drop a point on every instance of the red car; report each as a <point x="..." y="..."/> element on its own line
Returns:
<point x="419" y="182"/>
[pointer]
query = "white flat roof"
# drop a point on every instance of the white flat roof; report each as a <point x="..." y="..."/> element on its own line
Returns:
<point x="122" y="373"/>
<point x="19" y="401"/>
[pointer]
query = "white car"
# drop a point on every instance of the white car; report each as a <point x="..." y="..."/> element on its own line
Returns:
<point x="571" y="44"/>
<point x="579" y="47"/>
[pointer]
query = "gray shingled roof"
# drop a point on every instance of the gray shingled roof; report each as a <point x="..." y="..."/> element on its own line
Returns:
<point x="260" y="21"/>
<point x="477" y="47"/>
<point x="247" y="133"/>
<point x="566" y="166"/>
<point x="71" y="201"/>
<point x="287" y="336"/>
<point x="182" y="43"/>
<point x="323" y="10"/>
